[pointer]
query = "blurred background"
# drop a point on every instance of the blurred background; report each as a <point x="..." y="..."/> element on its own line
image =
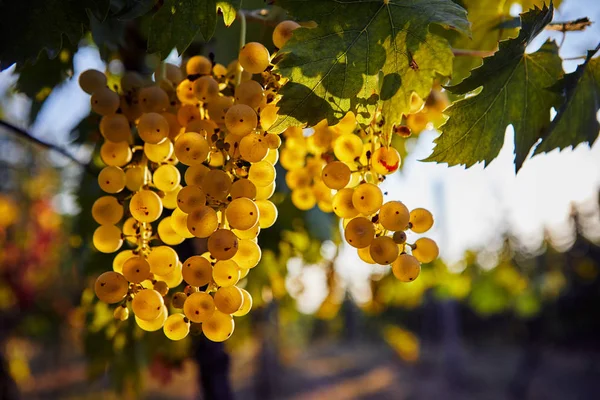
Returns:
<point x="511" y="310"/>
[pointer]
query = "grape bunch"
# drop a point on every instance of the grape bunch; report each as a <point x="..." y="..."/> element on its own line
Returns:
<point x="185" y="158"/>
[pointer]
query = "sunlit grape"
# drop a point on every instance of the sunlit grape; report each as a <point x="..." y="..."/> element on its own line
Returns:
<point x="197" y="271"/>
<point x="421" y="220"/>
<point x="359" y="232"/>
<point x="115" y="154"/>
<point x="394" y="216"/>
<point x="111" y="287"/>
<point x="229" y="299"/>
<point x="156" y="323"/>
<point x="176" y="327"/>
<point x="202" y="221"/>
<point x="136" y="269"/>
<point x="145" y="206"/>
<point x="222" y="244"/>
<point x="162" y="260"/>
<point x="283" y="32"/>
<point x="242" y="213"/>
<point x="107" y="238"/>
<point x="254" y="57"/>
<point x="147" y="304"/>
<point x="425" y="250"/>
<point x="199" y="307"/>
<point x="226" y="273"/>
<point x="406" y="268"/>
<point x="107" y="210"/>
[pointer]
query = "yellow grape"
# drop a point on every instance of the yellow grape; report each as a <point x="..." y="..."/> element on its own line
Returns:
<point x="197" y="271"/>
<point x="185" y="92"/>
<point x="359" y="232"/>
<point x="199" y="307"/>
<point x="219" y="327"/>
<point x="249" y="233"/>
<point x="246" y="305"/>
<point x="348" y="147"/>
<point x="162" y="260"/>
<point x="426" y="250"/>
<point x="159" y="153"/>
<point x="322" y="192"/>
<point x="107" y="238"/>
<point x="243" y="188"/>
<point x="421" y="220"/>
<point x="191" y="148"/>
<point x="342" y="203"/>
<point x="273" y="141"/>
<point x="254" y="57"/>
<point x="107" y="210"/>
<point x="176" y="327"/>
<point x="229" y="299"/>
<point x="267" y="213"/>
<point x="147" y="304"/>
<point x="166" y="177"/>
<point x="120" y="259"/>
<point x="161" y="287"/>
<point x="216" y="184"/>
<point x="250" y="93"/>
<point x="111" y="287"/>
<point x="394" y="216"/>
<point x="188" y="113"/>
<point x="92" y="80"/>
<point x="153" y="128"/>
<point x="121" y="313"/>
<point x="219" y="70"/>
<point x="174" y="125"/>
<point x="283" y="32"/>
<point x="262" y="173"/>
<point x="136" y="269"/>
<point x="178" y="299"/>
<point x="304" y="198"/>
<point x="241" y="119"/>
<point x="105" y="101"/>
<point x="202" y="221"/>
<point x="367" y="198"/>
<point x="385" y="160"/>
<point x="190" y="198"/>
<point x="195" y="174"/>
<point x="298" y="178"/>
<point x="216" y="158"/>
<point x="134" y="178"/>
<point x="156" y="323"/>
<point x="218" y="107"/>
<point x="248" y="254"/>
<point x="115" y="128"/>
<point x="265" y="192"/>
<point x="130" y="230"/>
<point x="145" y="206"/>
<point x="336" y="175"/>
<point x="111" y="179"/>
<point x="242" y="213"/>
<point x="226" y="273"/>
<point x="222" y="244"/>
<point x="206" y="89"/>
<point x="406" y="268"/>
<point x="383" y="250"/>
<point x="169" y="199"/>
<point x="399" y="237"/>
<point x="365" y="255"/>
<point x="179" y="224"/>
<point x="153" y="99"/>
<point x="167" y="234"/>
<point x="244" y="273"/>
<point x="115" y="154"/>
<point x="198" y="65"/>
<point x="174" y="278"/>
<point x="268" y="116"/>
<point x="253" y="147"/>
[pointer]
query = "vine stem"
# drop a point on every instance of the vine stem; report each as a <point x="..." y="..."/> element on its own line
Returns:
<point x="242" y="17"/>
<point x="49" y="146"/>
<point x="473" y="53"/>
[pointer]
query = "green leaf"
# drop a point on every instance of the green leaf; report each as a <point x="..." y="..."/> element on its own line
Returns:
<point x="334" y="68"/>
<point x="576" y="121"/>
<point x="514" y="92"/>
<point x="177" y="22"/>
<point x="30" y="26"/>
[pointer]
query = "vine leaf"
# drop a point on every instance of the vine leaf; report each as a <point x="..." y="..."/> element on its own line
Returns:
<point x="28" y="27"/>
<point x="178" y="22"/>
<point x="335" y="67"/>
<point x="515" y="91"/>
<point x="576" y="121"/>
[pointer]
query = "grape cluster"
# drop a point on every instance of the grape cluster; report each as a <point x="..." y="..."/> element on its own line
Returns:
<point x="189" y="141"/>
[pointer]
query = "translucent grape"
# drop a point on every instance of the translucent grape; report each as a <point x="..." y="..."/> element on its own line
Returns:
<point x="92" y="81"/>
<point x="162" y="260"/>
<point x="130" y="230"/>
<point x="179" y="224"/>
<point x="166" y="177"/>
<point x="176" y="327"/>
<point x="104" y="101"/>
<point x="267" y="213"/>
<point x="262" y="173"/>
<point x="253" y="147"/>
<point x="367" y="198"/>
<point x="229" y="299"/>
<point x="348" y="147"/>
<point x="304" y="198"/>
<point x="178" y="299"/>
<point x="190" y="198"/>
<point x="268" y="116"/>
<point x="199" y="307"/>
<point x="121" y="313"/>
<point x="246" y="305"/>
<point x="342" y="203"/>
<point x="248" y="254"/>
<point x="153" y="99"/>
<point x="241" y="119"/>
<point x="197" y="271"/>
<point x="155" y="324"/>
<point x="222" y="244"/>
<point x="383" y="250"/>
<point x="247" y="234"/>
<point x="265" y="192"/>
<point x="115" y="154"/>
<point x="421" y="220"/>
<point x="202" y="221"/>
<point x="365" y="255"/>
<point x="426" y="250"/>
<point x="120" y="259"/>
<point x="111" y="287"/>
<point x="218" y="107"/>
<point x="185" y="92"/>
<point x="206" y="89"/>
<point x="159" y="153"/>
<point x="385" y="160"/>
<point x="167" y="234"/>
<point x="191" y="148"/>
<point x="336" y="175"/>
<point x="174" y="125"/>
<point x="115" y="128"/>
<point x="394" y="216"/>
<point x="406" y="268"/>
<point x="195" y="174"/>
<point x="107" y="210"/>
<point x="107" y="239"/>
<point x="188" y="113"/>
<point x="359" y="232"/>
<point x="153" y="128"/>
<point x="161" y="287"/>
<point x="136" y="269"/>
<point x="250" y="93"/>
<point x="174" y="278"/>
<point x="111" y="179"/>
<point x="242" y="188"/>
<point x="399" y="237"/>
<point x="226" y="273"/>
<point x="169" y="199"/>
<point x="134" y="178"/>
<point x="147" y="304"/>
<point x="219" y="327"/>
<point x="283" y="32"/>
<point x="242" y="213"/>
<point x="216" y="184"/>
<point x="254" y="57"/>
<point x="298" y="178"/>
<point x="145" y="206"/>
<point x="273" y="141"/>
<point x="198" y="65"/>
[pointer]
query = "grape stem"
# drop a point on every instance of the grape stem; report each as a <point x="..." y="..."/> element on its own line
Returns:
<point x="242" y="17"/>
<point x="24" y="134"/>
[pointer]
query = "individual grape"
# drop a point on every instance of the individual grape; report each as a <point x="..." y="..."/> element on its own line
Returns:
<point x="111" y="287"/>
<point x="161" y="287"/>
<point x="242" y="213"/>
<point x="365" y="255"/>
<point x="166" y="177"/>
<point x="226" y="273"/>
<point x="254" y="57"/>
<point x="153" y="128"/>
<point x="178" y="299"/>
<point x="216" y="184"/>
<point x="130" y="230"/>
<point x="155" y="324"/>
<point x="219" y="327"/>
<point x="265" y="192"/>
<point x="268" y="116"/>
<point x="115" y="128"/>
<point x="169" y="199"/>
<point x="229" y="299"/>
<point x="198" y="65"/>
<point x="206" y="89"/>
<point x="367" y="198"/>
<point x="274" y="142"/>
<point x="298" y="178"/>
<point x="179" y="224"/>
<point x="121" y="313"/>
<point x="246" y="305"/>
<point x="153" y="99"/>
<point x="219" y="70"/>
<point x="421" y="220"/>
<point x="145" y="206"/>
<point x="92" y="81"/>
<point x="385" y="160"/>
<point x="188" y="113"/>
<point x="218" y="107"/>
<point x="105" y="102"/>
<point x="162" y="260"/>
<point x="175" y="127"/>
<point x="111" y="179"/>
<point x="399" y="237"/>
<point x="303" y="198"/>
<point x="195" y="174"/>
<point x="244" y="273"/>
<point x="204" y="126"/>
<point x="383" y="250"/>
<point x="134" y="178"/>
<point x="342" y="203"/>
<point x="167" y="234"/>
<point x="250" y="93"/>
<point x="216" y="159"/>
<point x="336" y="175"/>
<point x="283" y="32"/>
<point x="136" y="269"/>
<point x="197" y="271"/>
<point x="243" y="188"/>
<point x="394" y="216"/>
<point x="159" y="153"/>
<point x="120" y="259"/>
<point x="190" y="198"/>
<point x="248" y="254"/>
<point x="131" y="80"/>
<point x="202" y="221"/>
<point x="222" y="244"/>
<point x="262" y="173"/>
<point x="348" y="148"/>
<point x="107" y="210"/>
<point x="115" y="154"/>
<point x="185" y="92"/>
<point x="253" y="147"/>
<point x="406" y="268"/>
<point x="107" y="238"/>
<point x="174" y="278"/>
<point x="425" y="250"/>
<point x="292" y="159"/>
<point x="241" y="119"/>
<point x="176" y="327"/>
<point x="248" y="234"/>
<point x="267" y="213"/>
<point x="191" y="148"/>
<point x="359" y="232"/>
<point x="147" y="304"/>
<point x="199" y="307"/>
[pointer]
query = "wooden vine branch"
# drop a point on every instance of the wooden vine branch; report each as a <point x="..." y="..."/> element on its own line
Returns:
<point x="576" y="25"/>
